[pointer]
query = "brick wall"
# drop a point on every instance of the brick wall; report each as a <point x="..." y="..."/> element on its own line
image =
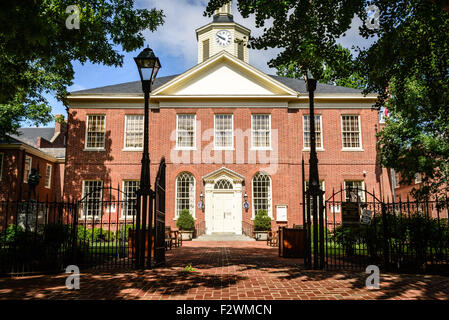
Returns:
<point x="114" y="165"/>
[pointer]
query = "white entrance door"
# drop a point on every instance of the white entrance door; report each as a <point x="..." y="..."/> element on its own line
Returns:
<point x="224" y="212"/>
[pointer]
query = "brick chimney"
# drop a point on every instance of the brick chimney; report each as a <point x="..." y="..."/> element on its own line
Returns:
<point x="62" y="128"/>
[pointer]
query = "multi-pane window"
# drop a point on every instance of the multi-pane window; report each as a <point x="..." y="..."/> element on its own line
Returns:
<point x="185" y="131"/>
<point x="223" y="131"/>
<point x="95" y="132"/>
<point x="185" y="193"/>
<point x="48" y="176"/>
<point x="318" y="135"/>
<point x="1" y="165"/>
<point x="354" y="190"/>
<point x="129" y="198"/>
<point x="223" y="184"/>
<point x="134" y="132"/>
<point x="261" y="131"/>
<point x="262" y="193"/>
<point x="27" y="168"/>
<point x="92" y="198"/>
<point x="351" y="132"/>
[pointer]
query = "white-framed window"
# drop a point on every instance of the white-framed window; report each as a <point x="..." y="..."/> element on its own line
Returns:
<point x="418" y="178"/>
<point x="134" y="131"/>
<point x="92" y="198"/>
<point x="2" y="157"/>
<point x="48" y="170"/>
<point x="224" y="128"/>
<point x="129" y="198"/>
<point x="185" y="193"/>
<point x="261" y="131"/>
<point x="350" y="131"/>
<point x="356" y="185"/>
<point x="27" y="168"/>
<point x="185" y="131"/>
<point x="262" y="193"/>
<point x="318" y="132"/>
<point x="95" y="132"/>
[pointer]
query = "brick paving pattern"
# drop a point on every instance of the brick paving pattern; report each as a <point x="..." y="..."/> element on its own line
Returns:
<point x="226" y="271"/>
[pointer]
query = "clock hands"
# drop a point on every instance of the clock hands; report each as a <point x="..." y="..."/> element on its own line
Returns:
<point x="221" y="37"/>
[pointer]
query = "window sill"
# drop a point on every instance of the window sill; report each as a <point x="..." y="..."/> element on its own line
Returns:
<point x="132" y="150"/>
<point x="130" y="219"/>
<point x="308" y="149"/>
<point x="352" y="150"/>
<point x="95" y="150"/>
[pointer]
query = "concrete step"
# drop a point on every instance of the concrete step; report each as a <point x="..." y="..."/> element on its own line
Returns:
<point x="223" y="236"/>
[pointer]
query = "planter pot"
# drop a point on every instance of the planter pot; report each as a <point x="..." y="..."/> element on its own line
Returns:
<point x="261" y="235"/>
<point x="186" y="235"/>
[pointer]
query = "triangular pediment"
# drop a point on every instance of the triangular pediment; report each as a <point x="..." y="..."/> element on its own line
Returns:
<point x="223" y="173"/>
<point x="224" y="75"/>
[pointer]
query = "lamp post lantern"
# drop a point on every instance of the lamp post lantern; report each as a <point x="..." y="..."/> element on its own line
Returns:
<point x="315" y="194"/>
<point x="148" y="65"/>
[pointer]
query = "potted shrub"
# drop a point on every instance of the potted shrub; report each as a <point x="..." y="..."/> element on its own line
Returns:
<point x="186" y="224"/>
<point x="262" y="224"/>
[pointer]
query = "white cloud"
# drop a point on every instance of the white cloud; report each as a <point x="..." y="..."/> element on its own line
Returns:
<point x="177" y="36"/>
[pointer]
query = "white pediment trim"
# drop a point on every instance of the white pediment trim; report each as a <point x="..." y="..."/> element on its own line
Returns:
<point x="223" y="172"/>
<point x="227" y="66"/>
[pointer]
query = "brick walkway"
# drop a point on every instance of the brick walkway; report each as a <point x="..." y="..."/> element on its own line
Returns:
<point x="226" y="270"/>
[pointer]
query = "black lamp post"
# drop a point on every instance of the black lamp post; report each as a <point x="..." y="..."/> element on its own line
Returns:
<point x="148" y="65"/>
<point x="315" y="194"/>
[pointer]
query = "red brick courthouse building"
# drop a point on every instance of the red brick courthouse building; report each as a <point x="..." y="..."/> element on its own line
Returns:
<point x="225" y="129"/>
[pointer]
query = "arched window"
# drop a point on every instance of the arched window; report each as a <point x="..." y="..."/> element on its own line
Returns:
<point x="185" y="193"/>
<point x="261" y="193"/>
<point x="223" y="184"/>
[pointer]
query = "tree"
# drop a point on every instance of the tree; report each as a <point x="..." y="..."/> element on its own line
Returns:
<point x="37" y="49"/>
<point x="353" y="80"/>
<point x="410" y="57"/>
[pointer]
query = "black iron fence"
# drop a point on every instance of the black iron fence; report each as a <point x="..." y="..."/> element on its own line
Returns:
<point x="47" y="237"/>
<point x="36" y="236"/>
<point x="404" y="236"/>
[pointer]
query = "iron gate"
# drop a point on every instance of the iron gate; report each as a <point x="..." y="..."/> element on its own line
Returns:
<point x="159" y="216"/>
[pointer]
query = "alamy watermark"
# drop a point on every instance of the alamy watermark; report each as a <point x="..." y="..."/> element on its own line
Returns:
<point x="204" y="150"/>
<point x="73" y="280"/>
<point x="73" y="20"/>
<point x="373" y="280"/>
<point x="372" y="20"/>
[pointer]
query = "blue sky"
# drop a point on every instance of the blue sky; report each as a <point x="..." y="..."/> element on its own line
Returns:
<point x="175" y="45"/>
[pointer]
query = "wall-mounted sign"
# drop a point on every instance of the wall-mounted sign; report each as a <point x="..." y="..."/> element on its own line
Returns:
<point x="281" y="212"/>
<point x="350" y="213"/>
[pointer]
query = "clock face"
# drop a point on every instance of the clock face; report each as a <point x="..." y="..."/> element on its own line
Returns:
<point x="223" y="38"/>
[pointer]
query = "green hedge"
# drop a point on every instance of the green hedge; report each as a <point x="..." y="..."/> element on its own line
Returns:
<point x="262" y="222"/>
<point x="185" y="220"/>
